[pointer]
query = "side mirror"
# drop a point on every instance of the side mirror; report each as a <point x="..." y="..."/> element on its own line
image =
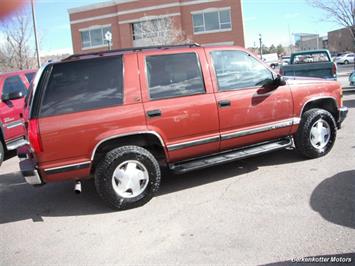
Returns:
<point x="272" y="84"/>
<point x="12" y="96"/>
<point x="279" y="81"/>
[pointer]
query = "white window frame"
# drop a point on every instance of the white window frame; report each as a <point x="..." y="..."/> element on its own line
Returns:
<point x="211" y="10"/>
<point x="95" y="27"/>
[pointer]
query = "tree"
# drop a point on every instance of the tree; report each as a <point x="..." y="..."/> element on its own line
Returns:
<point x="15" y="50"/>
<point x="342" y="12"/>
<point x="158" y="31"/>
<point x="272" y="49"/>
<point x="280" y="49"/>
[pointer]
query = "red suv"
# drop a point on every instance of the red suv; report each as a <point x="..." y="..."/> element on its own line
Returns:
<point x="13" y="87"/>
<point x="120" y="116"/>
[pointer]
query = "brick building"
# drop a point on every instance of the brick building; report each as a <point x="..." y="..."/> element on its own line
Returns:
<point x="206" y="22"/>
<point x="341" y="41"/>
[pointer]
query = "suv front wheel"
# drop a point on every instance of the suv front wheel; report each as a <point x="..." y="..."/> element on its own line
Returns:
<point x="128" y="176"/>
<point x="316" y="134"/>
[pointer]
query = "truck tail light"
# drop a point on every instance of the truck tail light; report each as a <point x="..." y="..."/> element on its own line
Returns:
<point x="334" y="69"/>
<point x="34" y="135"/>
<point x="281" y="72"/>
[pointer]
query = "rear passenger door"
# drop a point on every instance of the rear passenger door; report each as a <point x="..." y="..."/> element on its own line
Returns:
<point x="12" y="111"/>
<point x="179" y="102"/>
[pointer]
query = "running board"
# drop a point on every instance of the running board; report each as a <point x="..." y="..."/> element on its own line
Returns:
<point x="225" y="157"/>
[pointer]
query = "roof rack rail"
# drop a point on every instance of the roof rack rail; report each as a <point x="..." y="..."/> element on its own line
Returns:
<point x="133" y="49"/>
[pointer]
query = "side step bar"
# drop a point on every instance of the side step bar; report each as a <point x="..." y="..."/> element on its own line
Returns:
<point x="233" y="155"/>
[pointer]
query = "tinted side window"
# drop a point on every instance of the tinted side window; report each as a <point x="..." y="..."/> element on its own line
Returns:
<point x="30" y="76"/>
<point x="83" y="85"/>
<point x="236" y="69"/>
<point x="174" y="75"/>
<point x="13" y="84"/>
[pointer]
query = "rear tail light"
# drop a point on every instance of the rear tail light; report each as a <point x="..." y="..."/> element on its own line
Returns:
<point x="334" y="69"/>
<point x="34" y="135"/>
<point x="281" y="72"/>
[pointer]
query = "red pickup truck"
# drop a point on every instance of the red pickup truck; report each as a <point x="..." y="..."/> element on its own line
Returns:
<point x="121" y="116"/>
<point x="12" y="85"/>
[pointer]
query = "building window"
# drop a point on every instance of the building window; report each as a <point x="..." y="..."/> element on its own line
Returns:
<point x="95" y="37"/>
<point x="150" y="29"/>
<point x="210" y="21"/>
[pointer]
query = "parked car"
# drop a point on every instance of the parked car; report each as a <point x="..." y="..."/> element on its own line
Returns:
<point x="13" y="87"/>
<point x="345" y="59"/>
<point x="315" y="63"/>
<point x="352" y="79"/>
<point x="121" y="116"/>
<point x="271" y="60"/>
<point x="285" y="60"/>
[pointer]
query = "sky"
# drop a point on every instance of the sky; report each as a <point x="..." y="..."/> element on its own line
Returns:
<point x="276" y="20"/>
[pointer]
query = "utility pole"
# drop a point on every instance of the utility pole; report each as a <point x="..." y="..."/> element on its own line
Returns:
<point x="35" y="34"/>
<point x="261" y="49"/>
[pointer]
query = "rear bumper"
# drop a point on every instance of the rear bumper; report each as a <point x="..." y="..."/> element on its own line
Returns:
<point x="343" y="112"/>
<point x="28" y="167"/>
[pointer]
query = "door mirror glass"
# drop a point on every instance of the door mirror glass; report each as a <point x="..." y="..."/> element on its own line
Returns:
<point x="13" y="95"/>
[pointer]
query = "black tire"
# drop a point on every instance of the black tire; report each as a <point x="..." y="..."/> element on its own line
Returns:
<point x="303" y="135"/>
<point x="2" y="152"/>
<point x="346" y="62"/>
<point x="273" y="66"/>
<point x="114" y="158"/>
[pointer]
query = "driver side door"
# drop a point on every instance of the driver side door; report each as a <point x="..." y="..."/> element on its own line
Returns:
<point x="248" y="113"/>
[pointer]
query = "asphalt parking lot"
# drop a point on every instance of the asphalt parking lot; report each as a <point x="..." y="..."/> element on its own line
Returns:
<point x="264" y="210"/>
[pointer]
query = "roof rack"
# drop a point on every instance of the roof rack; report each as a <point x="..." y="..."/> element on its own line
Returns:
<point x="132" y="49"/>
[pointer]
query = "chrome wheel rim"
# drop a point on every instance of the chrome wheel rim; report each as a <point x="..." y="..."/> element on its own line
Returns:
<point x="320" y="134"/>
<point x="130" y="179"/>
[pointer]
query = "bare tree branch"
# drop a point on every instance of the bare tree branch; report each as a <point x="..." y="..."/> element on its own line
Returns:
<point x="15" y="50"/>
<point x="158" y="30"/>
<point x="342" y="12"/>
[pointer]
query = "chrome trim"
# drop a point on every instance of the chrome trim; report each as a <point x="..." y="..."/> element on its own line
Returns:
<point x="246" y="132"/>
<point x="66" y="166"/>
<point x="16" y="143"/>
<point x="296" y="120"/>
<point x="14" y="124"/>
<point x="34" y="179"/>
<point x="35" y="84"/>
<point x="187" y="144"/>
<point x="125" y="135"/>
<point x="318" y="98"/>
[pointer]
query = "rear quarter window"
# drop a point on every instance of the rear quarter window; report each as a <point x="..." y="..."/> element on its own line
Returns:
<point x="83" y="85"/>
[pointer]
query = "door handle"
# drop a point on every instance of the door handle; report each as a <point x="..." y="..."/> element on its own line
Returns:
<point x="224" y="103"/>
<point x="154" y="113"/>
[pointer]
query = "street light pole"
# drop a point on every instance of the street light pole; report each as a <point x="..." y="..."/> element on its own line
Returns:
<point x="261" y="50"/>
<point x="35" y="34"/>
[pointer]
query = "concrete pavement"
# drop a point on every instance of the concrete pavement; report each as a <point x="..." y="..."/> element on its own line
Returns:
<point x="264" y="210"/>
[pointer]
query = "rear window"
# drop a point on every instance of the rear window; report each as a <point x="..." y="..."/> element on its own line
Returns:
<point x="83" y="85"/>
<point x="311" y="58"/>
<point x="30" y="76"/>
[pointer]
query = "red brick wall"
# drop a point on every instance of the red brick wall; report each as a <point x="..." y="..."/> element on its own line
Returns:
<point x="122" y="33"/>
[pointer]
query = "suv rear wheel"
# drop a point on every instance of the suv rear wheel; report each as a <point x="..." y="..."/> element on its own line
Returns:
<point x="127" y="177"/>
<point x="316" y="134"/>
